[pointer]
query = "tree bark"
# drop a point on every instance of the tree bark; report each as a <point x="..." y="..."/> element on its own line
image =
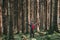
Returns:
<point x="22" y="16"/>
<point x="41" y="14"/>
<point x="55" y="16"/>
<point x="26" y="16"/>
<point x="4" y="17"/>
<point x="45" y="11"/>
<point x="10" y="22"/>
<point x="16" y="14"/>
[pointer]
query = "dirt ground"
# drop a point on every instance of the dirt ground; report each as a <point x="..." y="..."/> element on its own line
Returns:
<point x="0" y="38"/>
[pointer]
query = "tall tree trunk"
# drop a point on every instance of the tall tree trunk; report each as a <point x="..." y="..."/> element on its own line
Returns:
<point x="16" y="14"/>
<point x="55" y="16"/>
<point x="32" y="10"/>
<point x="1" y="17"/>
<point x="35" y="12"/>
<point x="37" y="15"/>
<point x="19" y="15"/>
<point x="48" y="14"/>
<point x="51" y="27"/>
<point x="58" y="18"/>
<point x="10" y="22"/>
<point x="29" y="15"/>
<point x="22" y="17"/>
<point x="26" y="16"/>
<point x="12" y="11"/>
<point x="45" y="11"/>
<point x="4" y="17"/>
<point x="25" y="12"/>
<point x="41" y="14"/>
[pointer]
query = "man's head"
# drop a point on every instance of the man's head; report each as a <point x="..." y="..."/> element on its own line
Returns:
<point x="32" y="21"/>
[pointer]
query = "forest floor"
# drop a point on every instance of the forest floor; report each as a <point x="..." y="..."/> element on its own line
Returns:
<point x="37" y="36"/>
<point x="0" y="38"/>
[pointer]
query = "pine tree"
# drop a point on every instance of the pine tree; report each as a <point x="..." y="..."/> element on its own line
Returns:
<point x="41" y="14"/>
<point x="10" y="22"/>
<point x="45" y="12"/>
<point x="22" y="16"/>
<point x="4" y="16"/>
<point x="53" y="17"/>
<point x="16" y="14"/>
<point x="35" y="12"/>
<point x="26" y="16"/>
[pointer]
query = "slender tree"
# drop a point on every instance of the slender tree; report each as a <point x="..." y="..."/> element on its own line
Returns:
<point x="45" y="12"/>
<point x="4" y="17"/>
<point x="53" y="18"/>
<point x="35" y="12"/>
<point x="37" y="15"/>
<point x="12" y="11"/>
<point x="16" y="14"/>
<point x="50" y="17"/>
<point x="10" y="22"/>
<point x="32" y="9"/>
<point x="41" y="14"/>
<point x="0" y="17"/>
<point x="26" y="16"/>
<point x="25" y="12"/>
<point x="22" y="16"/>
<point x="19" y="15"/>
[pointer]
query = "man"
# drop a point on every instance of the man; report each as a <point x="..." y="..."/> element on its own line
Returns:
<point x="32" y="27"/>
